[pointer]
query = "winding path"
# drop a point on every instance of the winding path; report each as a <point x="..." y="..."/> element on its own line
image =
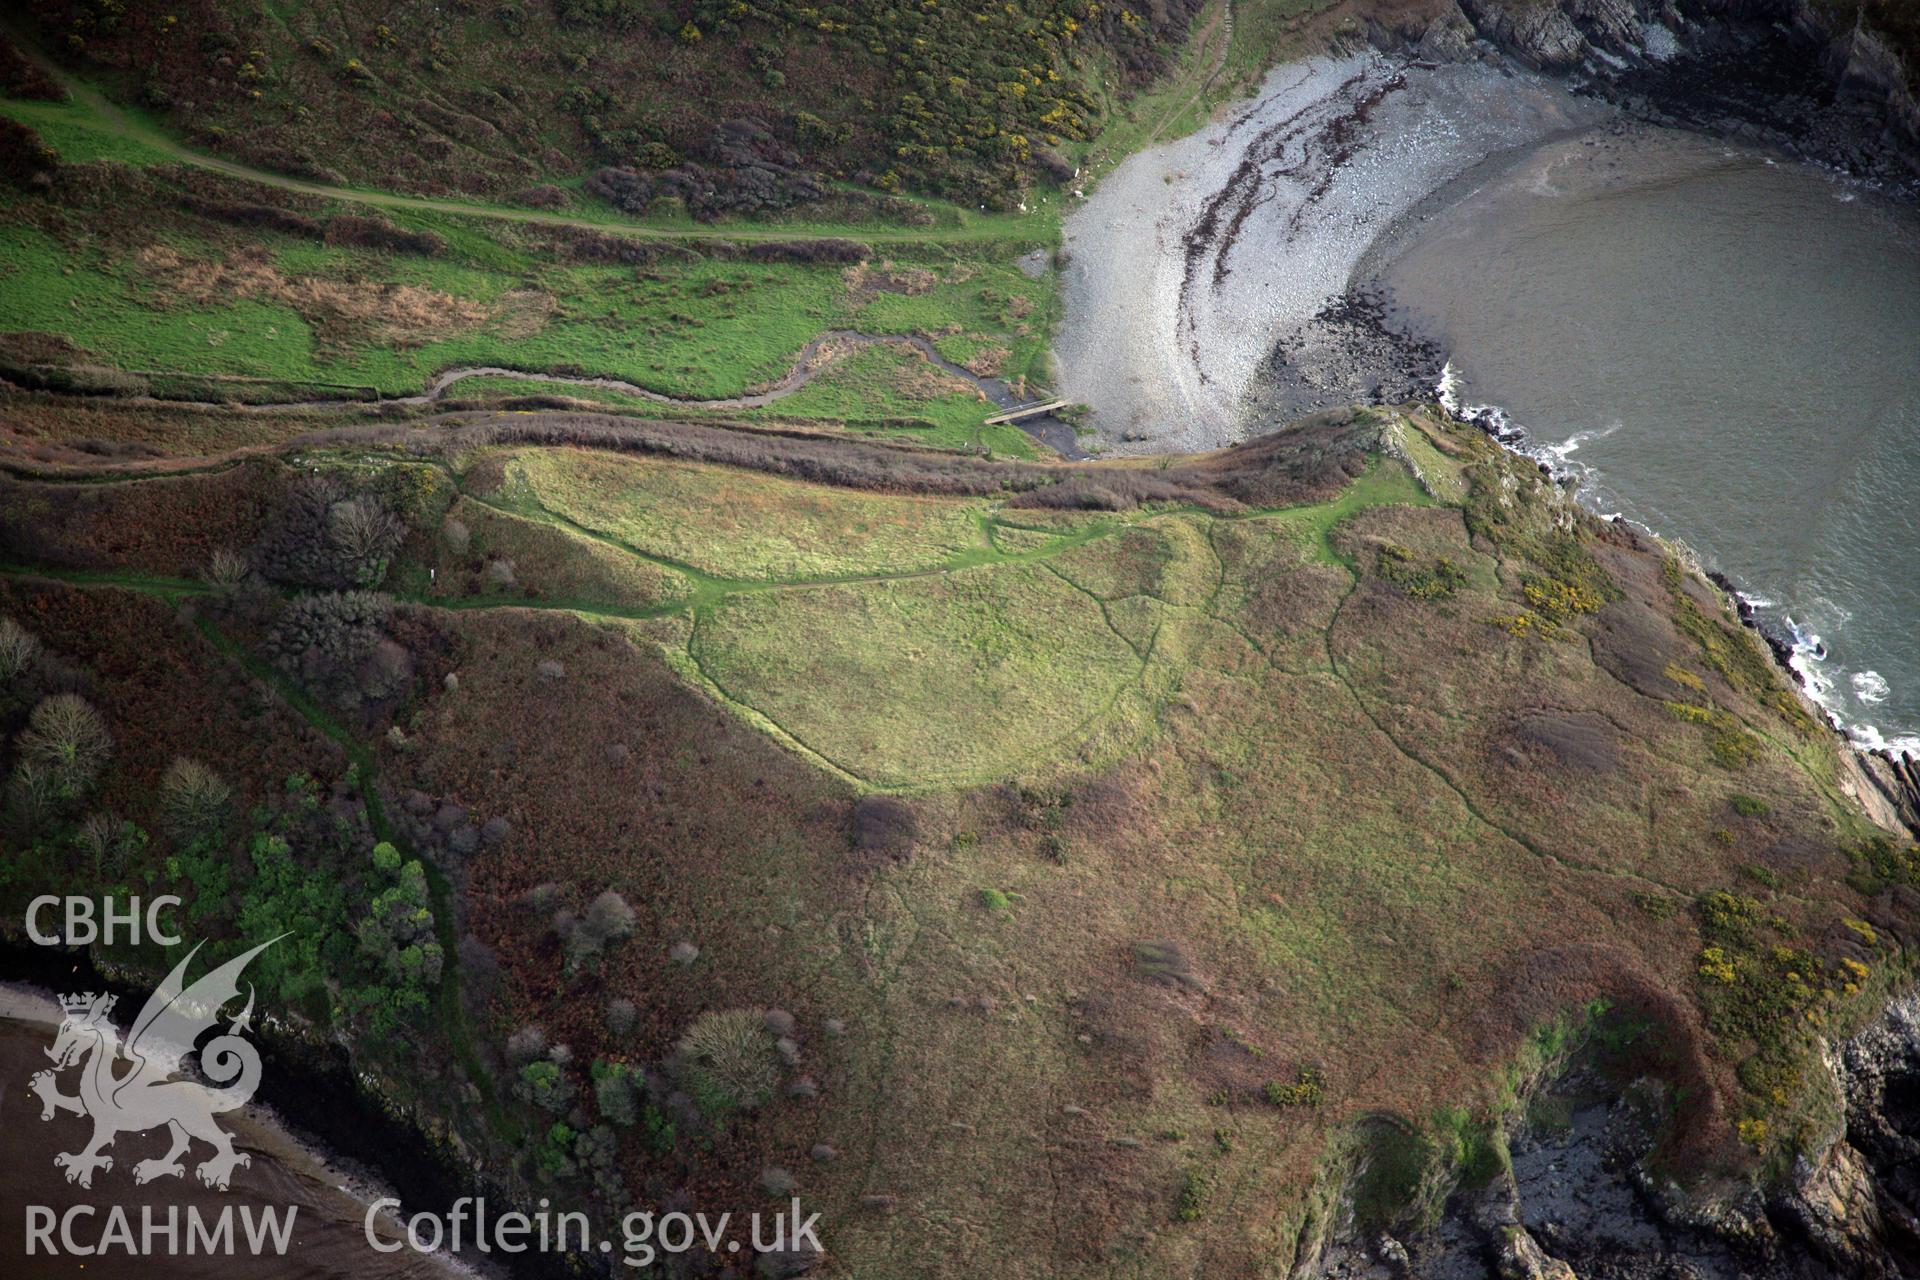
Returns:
<point x="111" y="119"/>
<point x="814" y="359"/>
<point x="1050" y="431"/>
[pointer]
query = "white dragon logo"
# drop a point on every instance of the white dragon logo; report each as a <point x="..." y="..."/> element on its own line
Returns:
<point x="148" y="1095"/>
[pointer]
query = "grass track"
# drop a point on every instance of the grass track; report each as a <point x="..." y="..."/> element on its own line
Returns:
<point x="126" y="135"/>
<point x="968" y="603"/>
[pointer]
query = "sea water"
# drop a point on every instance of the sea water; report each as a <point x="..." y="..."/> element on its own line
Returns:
<point x="1722" y="345"/>
<point x="284" y="1177"/>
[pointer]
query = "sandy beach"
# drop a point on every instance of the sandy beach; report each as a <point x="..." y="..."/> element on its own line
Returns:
<point x="1191" y="262"/>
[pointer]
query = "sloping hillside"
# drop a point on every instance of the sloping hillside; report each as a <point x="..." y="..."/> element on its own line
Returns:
<point x="720" y="106"/>
<point x="1161" y="843"/>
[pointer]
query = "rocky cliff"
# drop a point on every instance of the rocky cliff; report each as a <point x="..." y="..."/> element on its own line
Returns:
<point x="1582" y="1192"/>
<point x="1809" y="75"/>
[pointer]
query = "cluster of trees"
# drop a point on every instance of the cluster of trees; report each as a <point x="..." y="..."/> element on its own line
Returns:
<point x="568" y="1143"/>
<point x="728" y="1060"/>
<point x="360" y="945"/>
<point x="327" y="537"/>
<point x="60" y="750"/>
<point x="724" y="1062"/>
<point x="336" y="644"/>
<point x="584" y="937"/>
<point x="336" y="539"/>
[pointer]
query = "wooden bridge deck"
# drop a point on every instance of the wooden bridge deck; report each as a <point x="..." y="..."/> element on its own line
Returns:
<point x="1026" y="411"/>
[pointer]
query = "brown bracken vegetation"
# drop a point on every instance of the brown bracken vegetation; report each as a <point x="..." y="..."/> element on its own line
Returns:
<point x="1334" y="819"/>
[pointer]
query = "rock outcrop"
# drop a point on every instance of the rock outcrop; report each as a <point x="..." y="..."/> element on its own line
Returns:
<point x="1831" y="1203"/>
<point x="1580" y="1196"/>
<point x="1558" y="37"/>
<point x="1866" y="1203"/>
<point x="1702" y="49"/>
<point x="1889" y="787"/>
<point x="1867" y="72"/>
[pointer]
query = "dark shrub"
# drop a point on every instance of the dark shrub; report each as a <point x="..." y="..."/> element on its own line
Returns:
<point x="741" y="168"/>
<point x="264" y="217"/>
<point x="103" y="186"/>
<point x="291" y="161"/>
<point x="884" y="829"/>
<point x="1052" y="166"/>
<point x="627" y="190"/>
<point x="616" y="14"/>
<point x="337" y="646"/>
<point x="545" y="1084"/>
<point x="25" y="160"/>
<point x="526" y="1044"/>
<point x="21" y="78"/>
<point x="543" y="196"/>
<point x="842" y="252"/>
<point x="608" y="919"/>
<point x="578" y="244"/>
<point x="372" y="233"/>
<point x="326" y="537"/>
<point x="296" y="550"/>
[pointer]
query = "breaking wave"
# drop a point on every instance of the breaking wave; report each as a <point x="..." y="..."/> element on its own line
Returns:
<point x="1808" y="657"/>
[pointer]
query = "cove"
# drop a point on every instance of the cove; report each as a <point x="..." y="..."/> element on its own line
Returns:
<point x="1719" y="344"/>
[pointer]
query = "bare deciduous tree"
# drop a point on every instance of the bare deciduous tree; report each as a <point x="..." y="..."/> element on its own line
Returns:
<point x="366" y="534"/>
<point x="193" y="800"/>
<point x="18" y="649"/>
<point x="69" y="739"/>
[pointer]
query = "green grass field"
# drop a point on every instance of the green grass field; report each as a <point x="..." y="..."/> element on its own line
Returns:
<point x="918" y="682"/>
<point x="994" y="641"/>
<point x="772" y="530"/>
<point x="192" y="301"/>
<point x="1208" y="812"/>
<point x="341" y="317"/>
<point x="139" y="284"/>
<point x="702" y="329"/>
